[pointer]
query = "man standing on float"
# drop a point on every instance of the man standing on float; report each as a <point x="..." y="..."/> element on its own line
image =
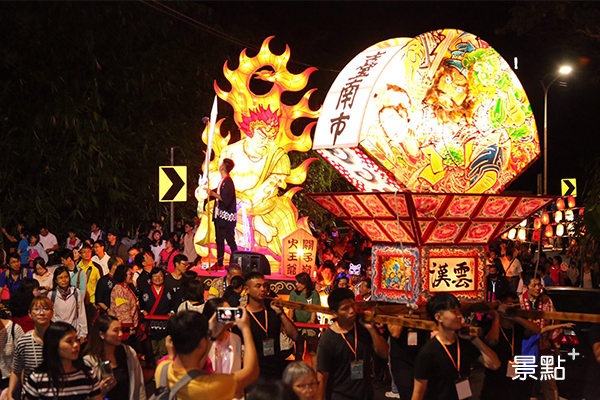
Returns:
<point x="225" y="213"/>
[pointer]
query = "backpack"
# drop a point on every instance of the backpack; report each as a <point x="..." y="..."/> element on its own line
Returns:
<point x="165" y="264"/>
<point x="23" y="274"/>
<point x="164" y="392"/>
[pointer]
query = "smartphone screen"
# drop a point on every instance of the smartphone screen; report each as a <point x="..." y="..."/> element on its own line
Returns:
<point x="228" y="314"/>
<point x="105" y="369"/>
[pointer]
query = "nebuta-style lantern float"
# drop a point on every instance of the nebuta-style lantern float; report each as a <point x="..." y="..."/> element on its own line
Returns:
<point x="264" y="216"/>
<point x="430" y="130"/>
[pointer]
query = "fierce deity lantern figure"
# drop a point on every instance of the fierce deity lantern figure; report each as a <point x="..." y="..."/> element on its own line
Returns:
<point x="263" y="167"/>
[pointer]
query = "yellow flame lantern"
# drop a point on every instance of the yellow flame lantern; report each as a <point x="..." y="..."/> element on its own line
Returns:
<point x="263" y="167"/>
<point x="571" y="201"/>
<point x="537" y="223"/>
<point x="549" y="232"/>
<point x="560" y="204"/>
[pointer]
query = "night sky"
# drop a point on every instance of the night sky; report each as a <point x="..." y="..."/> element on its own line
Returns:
<point x="328" y="35"/>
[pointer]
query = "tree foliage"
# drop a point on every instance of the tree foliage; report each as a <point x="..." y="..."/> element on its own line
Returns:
<point x="571" y="27"/>
<point x="92" y="97"/>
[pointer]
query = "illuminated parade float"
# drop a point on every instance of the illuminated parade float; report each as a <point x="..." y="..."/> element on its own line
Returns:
<point x="430" y="130"/>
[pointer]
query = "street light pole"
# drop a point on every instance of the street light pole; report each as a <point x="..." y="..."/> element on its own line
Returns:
<point x="563" y="71"/>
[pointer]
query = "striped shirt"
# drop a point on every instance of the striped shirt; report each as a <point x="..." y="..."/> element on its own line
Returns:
<point x="75" y="386"/>
<point x="28" y="354"/>
<point x="8" y="343"/>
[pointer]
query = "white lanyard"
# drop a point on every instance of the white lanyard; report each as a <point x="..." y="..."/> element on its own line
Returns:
<point x="34" y="351"/>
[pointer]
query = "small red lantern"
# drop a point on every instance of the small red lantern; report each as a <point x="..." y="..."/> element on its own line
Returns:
<point x="571" y="201"/>
<point x="536" y="236"/>
<point x="545" y="218"/>
<point x="549" y="232"/>
<point x="560" y="204"/>
<point x="537" y="223"/>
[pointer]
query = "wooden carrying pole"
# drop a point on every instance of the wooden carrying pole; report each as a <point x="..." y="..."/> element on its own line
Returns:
<point x="382" y="319"/>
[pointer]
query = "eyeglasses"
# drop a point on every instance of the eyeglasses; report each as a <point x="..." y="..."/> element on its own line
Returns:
<point x="41" y="310"/>
<point x="311" y="385"/>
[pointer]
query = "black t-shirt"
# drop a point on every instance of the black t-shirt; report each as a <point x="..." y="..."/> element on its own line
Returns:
<point x="270" y="366"/>
<point x="172" y="284"/>
<point x="434" y="365"/>
<point x="401" y="352"/>
<point x="335" y="357"/>
<point x="121" y="390"/>
<point x="496" y="385"/>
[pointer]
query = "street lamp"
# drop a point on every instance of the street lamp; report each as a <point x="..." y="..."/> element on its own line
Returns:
<point x="564" y="70"/>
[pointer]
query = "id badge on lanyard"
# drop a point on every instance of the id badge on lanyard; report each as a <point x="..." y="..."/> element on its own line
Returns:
<point x="268" y="344"/>
<point x="463" y="388"/>
<point x="357" y="367"/>
<point x="412" y="339"/>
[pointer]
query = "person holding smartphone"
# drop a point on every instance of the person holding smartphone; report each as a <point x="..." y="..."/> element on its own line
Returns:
<point x="225" y="354"/>
<point x="116" y="363"/>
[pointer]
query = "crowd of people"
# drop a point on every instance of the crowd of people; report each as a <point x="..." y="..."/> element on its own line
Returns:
<point x="84" y="321"/>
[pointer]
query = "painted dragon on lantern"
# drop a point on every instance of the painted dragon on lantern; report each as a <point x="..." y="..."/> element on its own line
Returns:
<point x="263" y="167"/>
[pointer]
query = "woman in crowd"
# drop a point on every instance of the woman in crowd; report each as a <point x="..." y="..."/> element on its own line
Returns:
<point x="302" y="378"/>
<point x="41" y="274"/>
<point x="35" y="249"/>
<point x="305" y="293"/>
<point x="158" y="245"/>
<point x="73" y="241"/>
<point x="62" y="373"/>
<point x="105" y="344"/>
<point x="28" y="352"/>
<point x="76" y="255"/>
<point x="192" y="294"/>
<point x="10" y="333"/>
<point x="226" y="354"/>
<point x="154" y="301"/>
<point x="588" y="277"/>
<point x="167" y="254"/>
<point x="341" y="281"/>
<point x="68" y="302"/>
<point x="233" y="293"/>
<point x="124" y="303"/>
